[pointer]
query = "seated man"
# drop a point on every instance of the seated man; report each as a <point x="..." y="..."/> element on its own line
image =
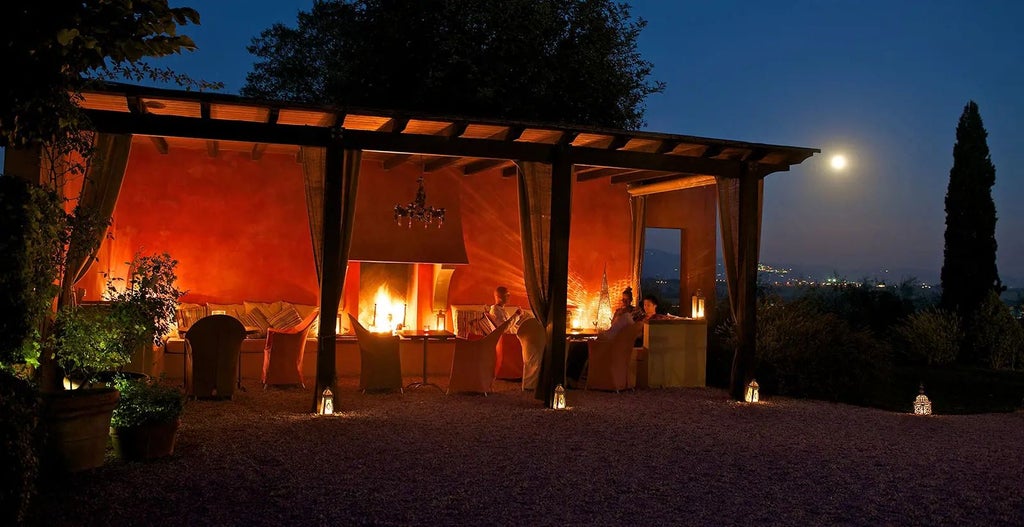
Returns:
<point x="496" y="312"/>
<point x="651" y="309"/>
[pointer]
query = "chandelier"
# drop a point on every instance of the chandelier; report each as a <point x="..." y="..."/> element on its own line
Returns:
<point x="419" y="211"/>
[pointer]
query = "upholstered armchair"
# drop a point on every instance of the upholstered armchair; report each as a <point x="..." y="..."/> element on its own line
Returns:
<point x="380" y="361"/>
<point x="282" y="355"/>
<point x="609" y="359"/>
<point x="473" y="362"/>
<point x="212" y="346"/>
<point x="532" y="339"/>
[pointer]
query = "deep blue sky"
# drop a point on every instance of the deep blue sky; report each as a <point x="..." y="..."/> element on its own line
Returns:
<point x="883" y="82"/>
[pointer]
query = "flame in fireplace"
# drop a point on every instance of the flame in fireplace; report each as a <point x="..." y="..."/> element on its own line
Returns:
<point x="387" y="314"/>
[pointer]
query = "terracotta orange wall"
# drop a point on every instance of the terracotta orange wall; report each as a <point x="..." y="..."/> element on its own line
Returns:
<point x="238" y="227"/>
<point x="694" y="211"/>
<point x="599" y="236"/>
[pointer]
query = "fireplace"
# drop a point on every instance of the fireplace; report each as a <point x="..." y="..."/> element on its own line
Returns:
<point x="393" y="296"/>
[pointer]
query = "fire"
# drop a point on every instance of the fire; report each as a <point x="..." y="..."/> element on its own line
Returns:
<point x="386" y="315"/>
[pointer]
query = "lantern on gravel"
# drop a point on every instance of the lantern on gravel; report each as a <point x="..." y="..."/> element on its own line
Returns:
<point x="753" y="392"/>
<point x="922" y="406"/>
<point x="326" y="406"/>
<point x="559" y="402"/>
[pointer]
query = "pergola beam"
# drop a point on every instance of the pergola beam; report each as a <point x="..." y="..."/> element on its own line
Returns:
<point x="160" y="143"/>
<point x="215" y="129"/>
<point x="482" y="165"/>
<point x="395" y="160"/>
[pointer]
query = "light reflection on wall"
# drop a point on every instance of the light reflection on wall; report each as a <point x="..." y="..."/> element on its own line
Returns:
<point x="587" y="302"/>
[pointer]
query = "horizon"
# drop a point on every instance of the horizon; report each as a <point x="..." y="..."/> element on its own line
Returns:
<point x="881" y="83"/>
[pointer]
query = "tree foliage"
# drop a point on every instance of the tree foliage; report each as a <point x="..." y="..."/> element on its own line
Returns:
<point x="969" y="260"/>
<point x="572" y="61"/>
<point x="55" y="47"/>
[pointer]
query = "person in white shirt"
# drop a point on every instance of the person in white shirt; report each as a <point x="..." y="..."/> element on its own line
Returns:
<point x="496" y="312"/>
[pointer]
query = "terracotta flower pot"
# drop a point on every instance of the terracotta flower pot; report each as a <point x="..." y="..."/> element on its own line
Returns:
<point x="150" y="441"/>
<point x="77" y="423"/>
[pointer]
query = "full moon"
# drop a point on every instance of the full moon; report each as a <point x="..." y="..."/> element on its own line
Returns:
<point x="838" y="162"/>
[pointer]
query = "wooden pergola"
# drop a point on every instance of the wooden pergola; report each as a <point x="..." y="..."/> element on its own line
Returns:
<point x="646" y="162"/>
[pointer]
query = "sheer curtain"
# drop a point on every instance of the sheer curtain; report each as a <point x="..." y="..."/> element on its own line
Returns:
<point x="314" y="161"/>
<point x="638" y="212"/>
<point x="103" y="176"/>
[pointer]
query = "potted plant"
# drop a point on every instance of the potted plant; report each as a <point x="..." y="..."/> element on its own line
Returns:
<point x="145" y="420"/>
<point x="88" y="341"/>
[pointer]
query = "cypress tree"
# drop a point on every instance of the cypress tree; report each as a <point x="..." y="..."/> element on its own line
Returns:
<point x="969" y="259"/>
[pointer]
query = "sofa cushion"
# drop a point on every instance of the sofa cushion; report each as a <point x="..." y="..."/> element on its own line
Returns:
<point x="304" y="311"/>
<point x="287" y="318"/>
<point x="189" y="314"/>
<point x="268" y="308"/>
<point x="232" y="310"/>
<point x="256" y="319"/>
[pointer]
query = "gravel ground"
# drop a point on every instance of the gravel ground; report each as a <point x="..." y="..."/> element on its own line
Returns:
<point x="651" y="457"/>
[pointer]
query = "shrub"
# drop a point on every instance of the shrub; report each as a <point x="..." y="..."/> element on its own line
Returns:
<point x="994" y="337"/>
<point x="804" y="352"/>
<point x="931" y="336"/>
<point x="19" y="458"/>
<point x="143" y="402"/>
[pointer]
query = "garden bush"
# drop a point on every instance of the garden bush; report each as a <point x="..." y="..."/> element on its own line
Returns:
<point x="805" y="352"/>
<point x="994" y="338"/>
<point x="931" y="336"/>
<point x="19" y="458"/>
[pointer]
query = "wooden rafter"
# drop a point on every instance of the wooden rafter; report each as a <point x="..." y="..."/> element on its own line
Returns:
<point x="510" y="171"/>
<point x="394" y="125"/>
<point x="160" y="143"/>
<point x="712" y="151"/>
<point x="272" y="115"/>
<point x="455" y="129"/>
<point x="482" y="165"/>
<point x="643" y="175"/>
<point x="257" y="150"/>
<point x="395" y="160"/>
<point x="204" y="110"/>
<point x="597" y="173"/>
<point x="439" y="163"/>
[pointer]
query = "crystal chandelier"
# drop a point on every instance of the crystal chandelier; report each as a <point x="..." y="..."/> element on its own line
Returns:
<point x="419" y="211"/>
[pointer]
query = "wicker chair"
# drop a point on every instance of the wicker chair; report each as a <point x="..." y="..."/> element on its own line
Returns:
<point x="473" y="362"/>
<point x="609" y="359"/>
<point x="380" y="361"/>
<point x="533" y="338"/>
<point x="212" y="346"/>
<point x="282" y="355"/>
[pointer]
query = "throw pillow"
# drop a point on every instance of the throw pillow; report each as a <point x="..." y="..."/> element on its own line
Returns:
<point x="189" y="314"/>
<point x="304" y="311"/>
<point x="256" y="319"/>
<point x="287" y="318"/>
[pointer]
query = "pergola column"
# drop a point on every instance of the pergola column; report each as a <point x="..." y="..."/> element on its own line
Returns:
<point x="558" y="270"/>
<point x="340" y="182"/>
<point x="743" y="283"/>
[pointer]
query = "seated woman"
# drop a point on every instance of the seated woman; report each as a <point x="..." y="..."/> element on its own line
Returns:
<point x="576" y="355"/>
<point x="650" y="306"/>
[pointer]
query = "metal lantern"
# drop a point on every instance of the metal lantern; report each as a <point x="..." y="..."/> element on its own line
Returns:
<point x="439" y="320"/>
<point x="753" y="394"/>
<point x="922" y="406"/>
<point x="326" y="405"/>
<point x="559" y="402"/>
<point x="697" y="305"/>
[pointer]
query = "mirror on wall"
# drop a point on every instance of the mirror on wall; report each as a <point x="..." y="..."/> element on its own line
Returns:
<point x="660" y="273"/>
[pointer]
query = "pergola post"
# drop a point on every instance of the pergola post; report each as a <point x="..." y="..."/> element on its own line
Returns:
<point x="340" y="179"/>
<point x="748" y="237"/>
<point x="558" y="268"/>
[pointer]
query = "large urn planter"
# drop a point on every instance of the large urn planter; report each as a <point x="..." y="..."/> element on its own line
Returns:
<point x="77" y="425"/>
<point x="144" y="442"/>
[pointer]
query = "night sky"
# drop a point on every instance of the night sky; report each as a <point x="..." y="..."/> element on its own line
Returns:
<point x="882" y="82"/>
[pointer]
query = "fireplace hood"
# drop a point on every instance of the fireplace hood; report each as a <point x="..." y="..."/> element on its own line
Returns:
<point x="376" y="237"/>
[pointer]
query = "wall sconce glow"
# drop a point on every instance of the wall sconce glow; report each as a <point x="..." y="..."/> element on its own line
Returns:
<point x="559" y="402"/>
<point x="219" y="312"/>
<point x="922" y="406"/>
<point x="753" y="392"/>
<point x="697" y="305"/>
<point x="326" y="406"/>
<point x="838" y="162"/>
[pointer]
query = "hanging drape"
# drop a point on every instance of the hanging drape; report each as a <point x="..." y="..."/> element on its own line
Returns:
<point x="313" y="169"/>
<point x="100" y="188"/>
<point x="739" y="209"/>
<point x="638" y="212"/>
<point x="535" y="229"/>
<point x="341" y="178"/>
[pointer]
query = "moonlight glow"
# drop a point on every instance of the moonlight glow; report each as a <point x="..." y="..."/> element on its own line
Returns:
<point x="838" y="162"/>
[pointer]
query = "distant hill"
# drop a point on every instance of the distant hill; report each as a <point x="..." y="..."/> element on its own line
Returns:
<point x="660" y="264"/>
